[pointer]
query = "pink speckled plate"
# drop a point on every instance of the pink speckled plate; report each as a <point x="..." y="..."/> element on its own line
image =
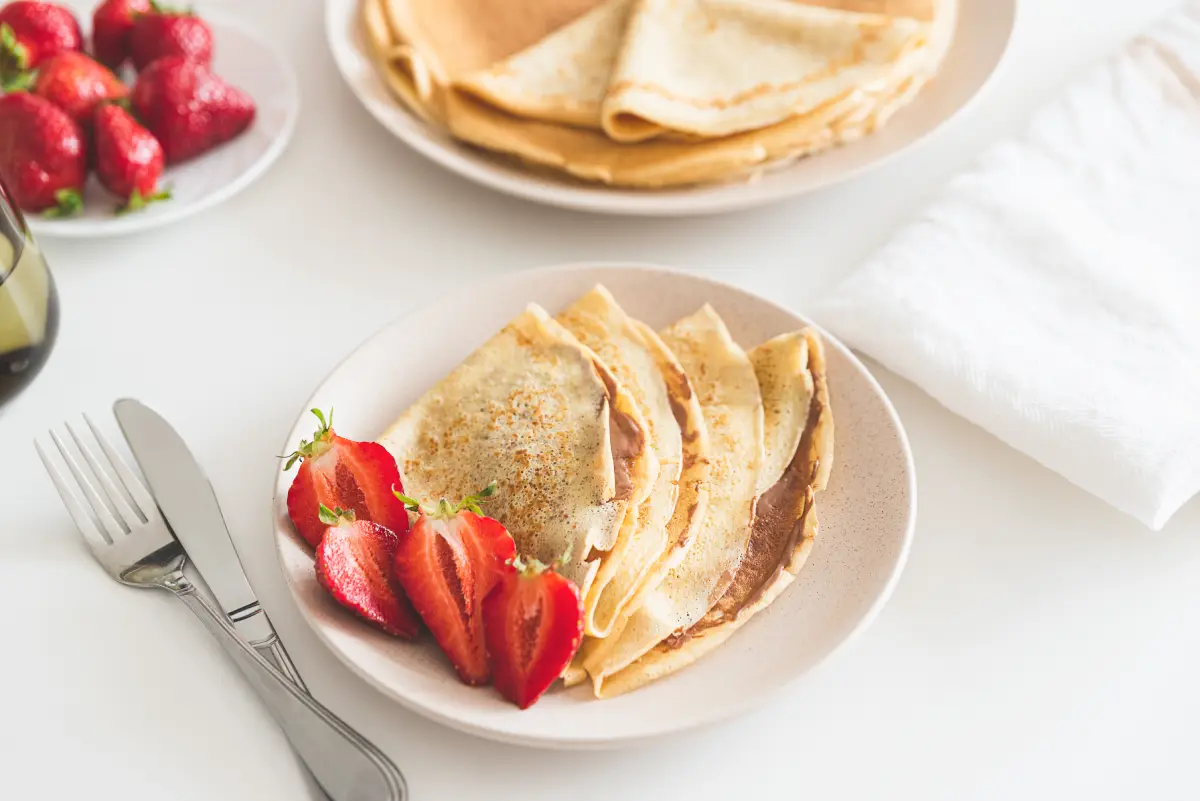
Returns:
<point x="867" y="517"/>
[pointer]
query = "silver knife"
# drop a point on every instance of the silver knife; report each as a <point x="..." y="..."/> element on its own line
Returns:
<point x="188" y="502"/>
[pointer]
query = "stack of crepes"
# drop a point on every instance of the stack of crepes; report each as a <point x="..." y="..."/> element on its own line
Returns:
<point x="657" y="93"/>
<point x="674" y="470"/>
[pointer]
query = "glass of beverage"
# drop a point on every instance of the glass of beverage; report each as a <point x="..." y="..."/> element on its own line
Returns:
<point x="28" y="303"/>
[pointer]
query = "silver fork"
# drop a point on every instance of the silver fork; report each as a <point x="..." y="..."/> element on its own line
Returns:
<point x="128" y="536"/>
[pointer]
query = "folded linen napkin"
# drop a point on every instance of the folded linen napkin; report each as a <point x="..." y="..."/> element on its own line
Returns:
<point x="1052" y="294"/>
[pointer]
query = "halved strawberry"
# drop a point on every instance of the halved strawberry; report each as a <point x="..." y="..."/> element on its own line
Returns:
<point x="447" y="563"/>
<point x="533" y="624"/>
<point x="340" y="472"/>
<point x="354" y="562"/>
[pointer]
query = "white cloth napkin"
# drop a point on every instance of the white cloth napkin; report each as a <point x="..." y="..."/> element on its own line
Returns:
<point x="1052" y="294"/>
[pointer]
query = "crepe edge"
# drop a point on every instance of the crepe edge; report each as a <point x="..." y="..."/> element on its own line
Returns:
<point x="662" y="661"/>
<point x="691" y="484"/>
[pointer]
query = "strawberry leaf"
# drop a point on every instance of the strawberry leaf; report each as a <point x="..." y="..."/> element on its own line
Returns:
<point x="160" y="8"/>
<point x="21" y="81"/>
<point x="471" y="502"/>
<point x="319" y="444"/>
<point x="15" y="55"/>
<point x="137" y="201"/>
<point x="70" y="203"/>
<point x="411" y="504"/>
<point x="445" y="510"/>
<point x="334" y="516"/>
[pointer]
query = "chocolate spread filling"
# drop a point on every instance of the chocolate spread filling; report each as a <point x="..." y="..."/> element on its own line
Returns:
<point x="625" y="440"/>
<point x="776" y="532"/>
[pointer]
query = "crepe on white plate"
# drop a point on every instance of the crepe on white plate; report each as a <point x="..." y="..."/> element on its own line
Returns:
<point x="865" y="516"/>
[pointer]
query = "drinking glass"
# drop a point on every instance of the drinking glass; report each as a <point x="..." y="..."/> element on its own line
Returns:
<point x="28" y="303"/>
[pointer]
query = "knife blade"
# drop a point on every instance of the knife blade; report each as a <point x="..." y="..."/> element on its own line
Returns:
<point x="189" y="503"/>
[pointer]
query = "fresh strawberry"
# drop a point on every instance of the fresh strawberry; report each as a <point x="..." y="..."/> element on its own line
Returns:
<point x="111" y="23"/>
<point x="448" y="563"/>
<point x="162" y="32"/>
<point x="533" y="624"/>
<point x="337" y="472"/>
<point x="187" y="108"/>
<point x="129" y="160"/>
<point x="43" y="155"/>
<point x="76" y="84"/>
<point x="354" y="562"/>
<point x="31" y="33"/>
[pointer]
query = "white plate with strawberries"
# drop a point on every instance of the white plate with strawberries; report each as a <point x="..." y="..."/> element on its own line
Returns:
<point x="352" y="588"/>
<point x="159" y="114"/>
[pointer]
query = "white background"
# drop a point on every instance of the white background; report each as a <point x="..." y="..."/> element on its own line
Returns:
<point x="1039" y="646"/>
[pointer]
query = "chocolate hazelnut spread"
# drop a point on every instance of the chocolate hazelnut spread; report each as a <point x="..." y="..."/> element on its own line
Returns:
<point x="625" y="440"/>
<point x="681" y="418"/>
<point x="780" y="516"/>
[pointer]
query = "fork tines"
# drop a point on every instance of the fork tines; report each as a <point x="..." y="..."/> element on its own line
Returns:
<point x="106" y="499"/>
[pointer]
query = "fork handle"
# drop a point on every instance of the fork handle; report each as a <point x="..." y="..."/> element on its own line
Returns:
<point x="275" y="653"/>
<point x="347" y="766"/>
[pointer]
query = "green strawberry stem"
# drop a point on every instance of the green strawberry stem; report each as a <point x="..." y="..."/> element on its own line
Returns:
<point x="319" y="444"/>
<point x="159" y="8"/>
<point x="445" y="510"/>
<point x="70" y="203"/>
<point x="532" y="566"/>
<point x="335" y="516"/>
<point x="14" y="56"/>
<point x="137" y="201"/>
<point x="19" y="81"/>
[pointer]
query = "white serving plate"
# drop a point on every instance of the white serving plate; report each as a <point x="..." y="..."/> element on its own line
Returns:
<point x="984" y="30"/>
<point x="248" y="61"/>
<point x="867" y="516"/>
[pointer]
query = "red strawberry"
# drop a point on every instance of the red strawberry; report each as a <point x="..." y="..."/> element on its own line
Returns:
<point x="162" y="32"/>
<point x="533" y="623"/>
<point x="76" y="84"/>
<point x="339" y="472"/>
<point x="447" y="564"/>
<point x="187" y="108"/>
<point x="43" y="155"/>
<point x="128" y="159"/>
<point x="111" y="24"/>
<point x="354" y="562"/>
<point x="32" y="32"/>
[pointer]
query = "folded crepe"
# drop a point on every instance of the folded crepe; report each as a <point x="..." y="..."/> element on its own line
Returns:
<point x="644" y="366"/>
<point x="717" y="67"/>
<point x="798" y="456"/>
<point x="701" y="68"/>
<point x="533" y="82"/>
<point x="547" y="115"/>
<point x="725" y="385"/>
<point x="453" y="38"/>
<point x="540" y="414"/>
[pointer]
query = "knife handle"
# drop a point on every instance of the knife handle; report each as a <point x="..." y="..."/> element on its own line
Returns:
<point x="277" y="655"/>
<point x="344" y="763"/>
<point x="250" y="621"/>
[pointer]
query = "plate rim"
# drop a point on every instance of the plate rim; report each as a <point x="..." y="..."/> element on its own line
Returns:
<point x="69" y="228"/>
<point x="753" y="698"/>
<point x="681" y="202"/>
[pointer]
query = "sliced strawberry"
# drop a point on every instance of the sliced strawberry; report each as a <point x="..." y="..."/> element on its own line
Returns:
<point x="447" y="562"/>
<point x="339" y="472"/>
<point x="533" y="624"/>
<point x="354" y="562"/>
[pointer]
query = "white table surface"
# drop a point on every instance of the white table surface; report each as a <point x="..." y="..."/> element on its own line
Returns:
<point x="1039" y="646"/>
